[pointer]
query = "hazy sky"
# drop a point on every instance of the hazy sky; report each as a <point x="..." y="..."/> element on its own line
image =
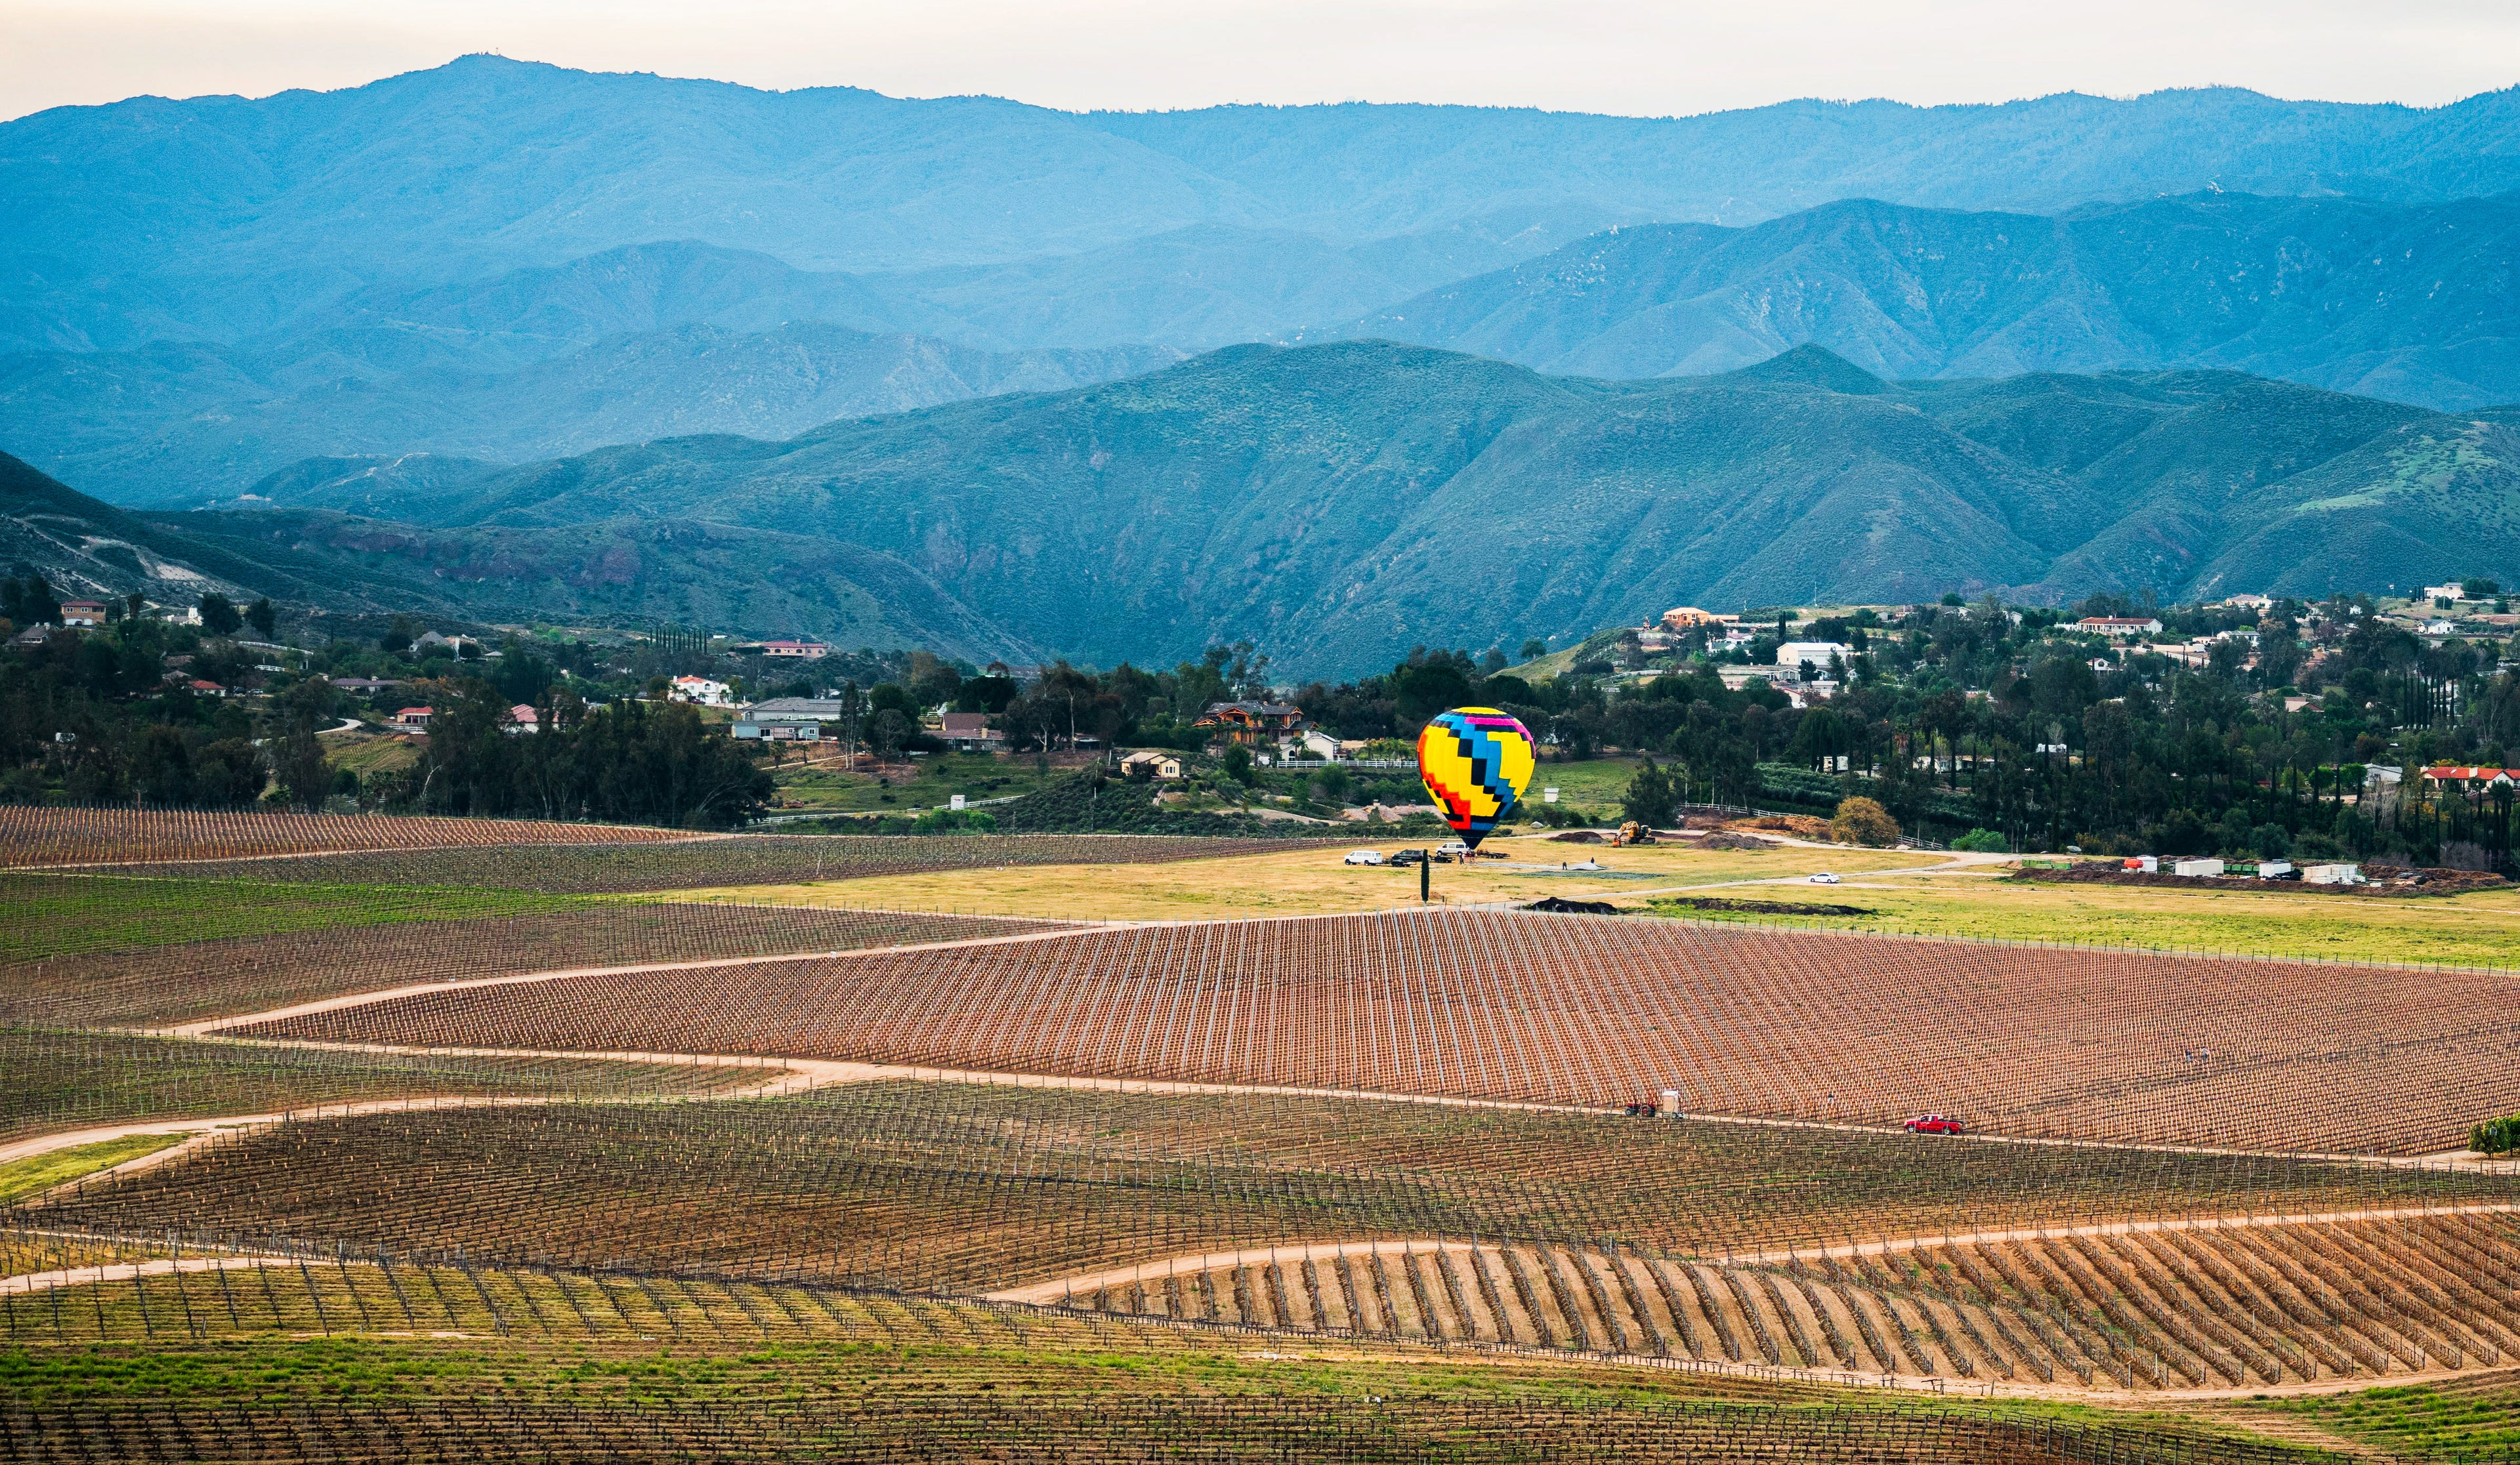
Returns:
<point x="1618" y="55"/>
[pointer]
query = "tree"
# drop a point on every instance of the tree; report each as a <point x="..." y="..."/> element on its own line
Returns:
<point x="1650" y="797"/>
<point x="1862" y="821"/>
<point x="219" y="615"/>
<point x="398" y="635"/>
<point x="1981" y="842"/>
<point x="887" y="732"/>
<point x="1237" y="764"/>
<point x="1534" y="649"/>
<point x="264" y="619"/>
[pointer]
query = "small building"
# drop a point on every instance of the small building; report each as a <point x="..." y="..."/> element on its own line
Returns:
<point x="82" y="613"/>
<point x="1689" y="617"/>
<point x="1313" y="742"/>
<point x="2332" y="875"/>
<point x="365" y="687"/>
<point x="2450" y="592"/>
<point x="1152" y="763"/>
<point x="789" y="719"/>
<point x="796" y="650"/>
<point x="2120" y="625"/>
<point x="1793" y="654"/>
<point x="2196" y="869"/>
<point x="2249" y="602"/>
<point x="523" y="718"/>
<point x="701" y="691"/>
<point x="414" y="719"/>
<point x="1251" y="722"/>
<point x="970" y="732"/>
<point x="202" y="688"/>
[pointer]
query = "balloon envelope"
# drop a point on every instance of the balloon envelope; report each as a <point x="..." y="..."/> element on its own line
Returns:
<point x="1476" y="762"/>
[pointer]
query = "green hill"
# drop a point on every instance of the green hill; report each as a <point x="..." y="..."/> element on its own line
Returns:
<point x="1340" y="502"/>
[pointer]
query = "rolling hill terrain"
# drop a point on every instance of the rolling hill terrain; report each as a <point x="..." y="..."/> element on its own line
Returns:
<point x="2412" y="303"/>
<point x="1341" y="503"/>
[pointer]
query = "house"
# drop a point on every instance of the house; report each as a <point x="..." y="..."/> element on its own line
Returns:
<point x="1689" y="617"/>
<point x="523" y="718"/>
<point x="2250" y="602"/>
<point x="1151" y="763"/>
<point x="2450" y="592"/>
<point x="2120" y="625"/>
<point x="34" y="636"/>
<point x="701" y="691"/>
<point x="2467" y="778"/>
<point x="1251" y="722"/>
<point x="970" y="732"/>
<point x="202" y="688"/>
<point x="796" y="650"/>
<point x="181" y="615"/>
<point x="1793" y="654"/>
<point x="414" y="719"/>
<point x="366" y="686"/>
<point x="2438" y="627"/>
<point x="789" y="719"/>
<point x="1313" y="742"/>
<point x="82" y="613"/>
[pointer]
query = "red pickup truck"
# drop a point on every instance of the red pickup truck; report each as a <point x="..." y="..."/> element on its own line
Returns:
<point x="1934" y="1124"/>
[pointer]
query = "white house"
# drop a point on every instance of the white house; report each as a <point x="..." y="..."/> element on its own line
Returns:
<point x="2450" y="592"/>
<point x="701" y="691"/>
<point x="1793" y="654"/>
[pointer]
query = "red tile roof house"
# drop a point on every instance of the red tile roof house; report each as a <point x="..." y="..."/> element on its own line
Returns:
<point x="413" y="717"/>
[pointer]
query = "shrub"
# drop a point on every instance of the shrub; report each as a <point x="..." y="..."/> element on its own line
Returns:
<point x="1982" y="842"/>
<point x="2495" y="1136"/>
<point x="1862" y="821"/>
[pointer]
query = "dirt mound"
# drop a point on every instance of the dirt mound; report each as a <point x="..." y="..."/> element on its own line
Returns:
<point x="1799" y="826"/>
<point x="1762" y="907"/>
<point x="1564" y="907"/>
<point x="1726" y="841"/>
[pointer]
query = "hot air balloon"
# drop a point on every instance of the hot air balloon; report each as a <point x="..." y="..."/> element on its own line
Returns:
<point x="1476" y="762"/>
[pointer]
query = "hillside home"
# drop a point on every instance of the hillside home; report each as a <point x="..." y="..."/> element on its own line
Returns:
<point x="1151" y="763"/>
<point x="2120" y="625"/>
<point x="82" y="613"/>
<point x="796" y="650"/>
<point x="2449" y="592"/>
<point x="413" y="719"/>
<point x="1688" y="617"/>
<point x="202" y="688"/>
<point x="523" y="718"/>
<point x="701" y="691"/>
<point x="1251" y="722"/>
<point x="2468" y="777"/>
<point x="2249" y="602"/>
<point x="970" y="732"/>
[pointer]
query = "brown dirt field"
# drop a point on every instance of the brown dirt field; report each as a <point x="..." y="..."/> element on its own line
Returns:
<point x="204" y="979"/>
<point x="2079" y="1044"/>
<point x="37" y="836"/>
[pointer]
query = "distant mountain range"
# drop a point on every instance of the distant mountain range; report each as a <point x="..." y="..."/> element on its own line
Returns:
<point x="2417" y="303"/>
<point x="506" y="340"/>
<point x="220" y="219"/>
<point x="1341" y="503"/>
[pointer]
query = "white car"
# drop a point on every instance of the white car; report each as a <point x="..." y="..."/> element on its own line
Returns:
<point x="1365" y="857"/>
<point x="1823" y="879"/>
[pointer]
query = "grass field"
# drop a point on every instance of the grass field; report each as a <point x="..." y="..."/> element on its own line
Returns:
<point x="47" y="916"/>
<point x="36" y="1174"/>
<point x="2469" y="930"/>
<point x="931" y="783"/>
<point x="1316" y="881"/>
<point x="2470" y="1419"/>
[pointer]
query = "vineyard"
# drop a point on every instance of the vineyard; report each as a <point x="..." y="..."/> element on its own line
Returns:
<point x="44" y="836"/>
<point x="969" y="1188"/>
<point x="721" y="861"/>
<point x="171" y="982"/>
<point x="53" y="1080"/>
<point x="2027" y="1041"/>
<point x="2244" y="1307"/>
